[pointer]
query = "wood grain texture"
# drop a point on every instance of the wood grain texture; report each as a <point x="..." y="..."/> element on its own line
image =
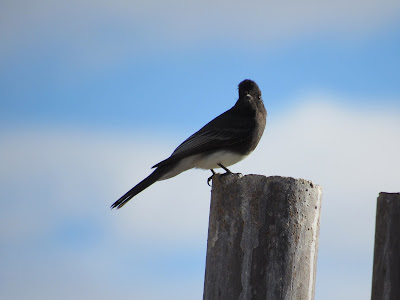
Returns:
<point x="263" y="238"/>
<point x="386" y="272"/>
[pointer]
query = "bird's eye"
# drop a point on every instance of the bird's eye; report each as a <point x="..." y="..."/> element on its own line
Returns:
<point x="259" y="97"/>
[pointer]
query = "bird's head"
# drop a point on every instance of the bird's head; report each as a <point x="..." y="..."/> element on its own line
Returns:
<point x="249" y="92"/>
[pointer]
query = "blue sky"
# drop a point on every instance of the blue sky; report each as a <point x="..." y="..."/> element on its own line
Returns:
<point x="93" y="94"/>
<point x="42" y="87"/>
<point x="56" y="73"/>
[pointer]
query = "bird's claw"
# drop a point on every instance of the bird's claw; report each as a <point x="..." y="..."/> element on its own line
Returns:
<point x="209" y="179"/>
<point x="228" y="172"/>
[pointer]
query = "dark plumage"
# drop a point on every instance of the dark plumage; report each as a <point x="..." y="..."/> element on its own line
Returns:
<point x="224" y="141"/>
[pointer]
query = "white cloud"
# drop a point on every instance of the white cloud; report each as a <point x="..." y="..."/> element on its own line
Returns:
<point x="50" y="178"/>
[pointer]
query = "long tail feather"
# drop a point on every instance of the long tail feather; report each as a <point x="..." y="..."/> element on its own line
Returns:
<point x="145" y="183"/>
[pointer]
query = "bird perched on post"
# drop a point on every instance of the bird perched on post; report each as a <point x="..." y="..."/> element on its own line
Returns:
<point x="226" y="140"/>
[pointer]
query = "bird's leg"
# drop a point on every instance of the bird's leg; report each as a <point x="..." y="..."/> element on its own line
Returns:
<point x="210" y="178"/>
<point x="225" y="168"/>
<point x="228" y="172"/>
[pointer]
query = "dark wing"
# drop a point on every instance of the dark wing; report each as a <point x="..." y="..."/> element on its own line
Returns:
<point x="226" y="130"/>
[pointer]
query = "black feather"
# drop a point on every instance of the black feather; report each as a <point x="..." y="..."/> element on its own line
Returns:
<point x="145" y="183"/>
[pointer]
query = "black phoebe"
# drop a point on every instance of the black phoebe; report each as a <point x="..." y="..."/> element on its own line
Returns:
<point x="224" y="141"/>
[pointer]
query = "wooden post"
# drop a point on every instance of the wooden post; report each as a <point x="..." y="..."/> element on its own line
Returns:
<point x="262" y="238"/>
<point x="386" y="272"/>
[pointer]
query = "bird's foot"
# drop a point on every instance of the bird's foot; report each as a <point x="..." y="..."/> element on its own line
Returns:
<point x="231" y="173"/>
<point x="220" y="176"/>
<point x="211" y="177"/>
<point x="228" y="172"/>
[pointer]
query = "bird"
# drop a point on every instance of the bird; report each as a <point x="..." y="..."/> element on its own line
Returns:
<point x="224" y="141"/>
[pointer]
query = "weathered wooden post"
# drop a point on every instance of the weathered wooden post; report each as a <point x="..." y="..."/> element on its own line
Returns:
<point x="386" y="272"/>
<point x="262" y="238"/>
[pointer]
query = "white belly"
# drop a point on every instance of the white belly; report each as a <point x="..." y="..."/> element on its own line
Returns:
<point x="221" y="157"/>
<point x="205" y="162"/>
